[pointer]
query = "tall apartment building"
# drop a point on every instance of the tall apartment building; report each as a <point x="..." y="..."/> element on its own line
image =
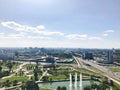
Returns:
<point x="110" y="56"/>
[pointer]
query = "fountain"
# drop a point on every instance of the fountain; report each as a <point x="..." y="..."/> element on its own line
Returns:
<point x="80" y="81"/>
<point x="70" y="79"/>
<point x="75" y="84"/>
<point x="75" y="79"/>
<point x="70" y="82"/>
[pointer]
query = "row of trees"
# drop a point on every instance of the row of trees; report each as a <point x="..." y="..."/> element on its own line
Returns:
<point x="61" y="88"/>
<point x="104" y="85"/>
<point x="57" y="72"/>
<point x="4" y="73"/>
<point x="30" y="85"/>
<point x="61" y="55"/>
<point x="8" y="83"/>
<point x="8" y="64"/>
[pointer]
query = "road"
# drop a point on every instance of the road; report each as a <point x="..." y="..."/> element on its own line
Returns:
<point x="16" y="71"/>
<point x="43" y="75"/>
<point x="81" y="64"/>
<point x="20" y="67"/>
<point x="100" y="69"/>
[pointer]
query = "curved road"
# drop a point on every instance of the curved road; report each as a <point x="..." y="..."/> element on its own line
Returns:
<point x="100" y="69"/>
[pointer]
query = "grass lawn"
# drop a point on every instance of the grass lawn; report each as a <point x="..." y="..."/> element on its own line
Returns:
<point x="15" y="66"/>
<point x="29" y="65"/>
<point x="114" y="69"/>
<point x="86" y="72"/>
<point x="59" y="77"/>
<point x="18" y="78"/>
<point x="44" y="89"/>
<point x="4" y="67"/>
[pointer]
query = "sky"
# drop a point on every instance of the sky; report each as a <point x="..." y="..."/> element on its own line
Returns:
<point x="60" y="23"/>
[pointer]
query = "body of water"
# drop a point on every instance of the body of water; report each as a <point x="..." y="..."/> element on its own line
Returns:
<point x="54" y="85"/>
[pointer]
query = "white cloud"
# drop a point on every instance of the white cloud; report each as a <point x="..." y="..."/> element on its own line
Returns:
<point x="105" y="34"/>
<point x="12" y="36"/>
<point x="52" y="33"/>
<point x="20" y="35"/>
<point x="95" y="38"/>
<point x="109" y="31"/>
<point x="1" y="34"/>
<point x="24" y="28"/>
<point x="13" y="25"/>
<point x="41" y="27"/>
<point x="77" y="36"/>
<point x="82" y="37"/>
<point x="39" y="37"/>
<point x="23" y="36"/>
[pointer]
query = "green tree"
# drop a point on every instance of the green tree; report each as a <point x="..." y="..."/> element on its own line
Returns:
<point x="45" y="78"/>
<point x="58" y="88"/>
<point x="7" y="83"/>
<point x="104" y="84"/>
<point x="111" y="83"/>
<point x="50" y="79"/>
<point x="0" y="68"/>
<point x="4" y="73"/>
<point x="21" y="72"/>
<point x="23" y="86"/>
<point x="9" y="65"/>
<point x="15" y="82"/>
<point x="37" y="64"/>
<point x="94" y="86"/>
<point x="35" y="75"/>
<point x="0" y="84"/>
<point x="31" y="85"/>
<point x="63" y="88"/>
<point x="88" y="87"/>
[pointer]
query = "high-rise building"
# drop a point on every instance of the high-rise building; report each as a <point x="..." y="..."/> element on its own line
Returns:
<point x="110" y="56"/>
<point x="88" y="56"/>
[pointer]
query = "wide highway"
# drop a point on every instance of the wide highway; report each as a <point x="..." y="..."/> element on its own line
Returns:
<point x="97" y="68"/>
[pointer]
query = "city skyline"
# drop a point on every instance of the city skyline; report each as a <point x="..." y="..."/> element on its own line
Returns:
<point x="60" y="23"/>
